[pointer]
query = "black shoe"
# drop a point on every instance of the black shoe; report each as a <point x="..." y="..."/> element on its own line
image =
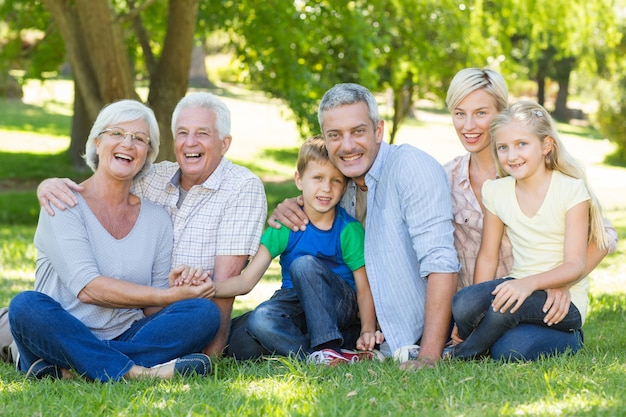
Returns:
<point x="193" y="364"/>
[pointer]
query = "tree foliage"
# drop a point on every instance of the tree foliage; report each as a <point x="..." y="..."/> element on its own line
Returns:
<point x="425" y="44"/>
<point x="550" y="40"/>
<point x="611" y="94"/>
<point x="110" y="44"/>
<point x="295" y="50"/>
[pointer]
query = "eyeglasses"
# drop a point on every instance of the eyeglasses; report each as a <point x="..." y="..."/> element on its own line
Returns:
<point x="120" y="134"/>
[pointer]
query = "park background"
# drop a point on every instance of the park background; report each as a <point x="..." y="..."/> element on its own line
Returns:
<point x="254" y="57"/>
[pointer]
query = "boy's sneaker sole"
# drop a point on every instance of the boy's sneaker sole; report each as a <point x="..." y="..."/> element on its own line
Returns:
<point x="362" y="355"/>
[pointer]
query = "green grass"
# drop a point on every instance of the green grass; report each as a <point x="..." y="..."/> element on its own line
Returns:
<point x="590" y="383"/>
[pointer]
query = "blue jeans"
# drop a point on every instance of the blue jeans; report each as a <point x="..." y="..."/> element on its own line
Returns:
<point x="43" y="329"/>
<point x="529" y="342"/>
<point x="320" y="308"/>
<point x="480" y="327"/>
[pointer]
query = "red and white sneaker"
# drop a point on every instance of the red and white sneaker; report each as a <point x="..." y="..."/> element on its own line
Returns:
<point x="327" y="357"/>
<point x="362" y="355"/>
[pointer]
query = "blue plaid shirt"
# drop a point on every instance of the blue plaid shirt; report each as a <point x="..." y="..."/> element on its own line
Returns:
<point x="408" y="236"/>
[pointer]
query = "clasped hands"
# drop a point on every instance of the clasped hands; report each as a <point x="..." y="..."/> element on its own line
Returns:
<point x="195" y="281"/>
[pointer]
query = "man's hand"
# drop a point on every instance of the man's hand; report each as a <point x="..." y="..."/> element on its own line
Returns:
<point x="57" y="192"/>
<point x="289" y="213"/>
<point x="419" y="363"/>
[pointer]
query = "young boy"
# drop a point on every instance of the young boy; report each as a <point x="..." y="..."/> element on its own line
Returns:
<point x="324" y="286"/>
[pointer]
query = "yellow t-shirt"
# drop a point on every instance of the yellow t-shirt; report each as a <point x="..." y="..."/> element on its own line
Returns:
<point x="538" y="242"/>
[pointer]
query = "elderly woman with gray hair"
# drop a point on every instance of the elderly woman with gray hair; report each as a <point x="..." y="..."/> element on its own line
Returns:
<point x="103" y="307"/>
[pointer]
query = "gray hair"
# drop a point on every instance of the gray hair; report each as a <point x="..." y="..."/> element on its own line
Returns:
<point x="206" y="101"/>
<point x="121" y="112"/>
<point x="469" y="80"/>
<point x="348" y="93"/>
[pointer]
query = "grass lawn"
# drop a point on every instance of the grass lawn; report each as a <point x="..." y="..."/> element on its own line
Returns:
<point x="591" y="383"/>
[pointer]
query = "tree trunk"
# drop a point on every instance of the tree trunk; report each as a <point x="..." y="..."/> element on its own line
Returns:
<point x="402" y="105"/>
<point x="80" y="129"/>
<point x="97" y="54"/>
<point x="563" y="71"/>
<point x="541" y="90"/>
<point x="170" y="80"/>
<point x="542" y="71"/>
<point x="198" y="76"/>
<point x="94" y="39"/>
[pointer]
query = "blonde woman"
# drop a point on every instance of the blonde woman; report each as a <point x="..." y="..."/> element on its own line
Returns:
<point x="475" y="96"/>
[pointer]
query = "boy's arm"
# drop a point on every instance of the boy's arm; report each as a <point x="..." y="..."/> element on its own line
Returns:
<point x="243" y="283"/>
<point x="367" y="312"/>
<point x="487" y="259"/>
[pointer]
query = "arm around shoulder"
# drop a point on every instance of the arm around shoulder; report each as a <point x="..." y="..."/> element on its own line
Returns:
<point x="57" y="192"/>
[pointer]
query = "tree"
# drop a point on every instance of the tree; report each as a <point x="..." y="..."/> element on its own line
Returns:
<point x="427" y="42"/>
<point x="552" y="39"/>
<point x="109" y="43"/>
<point x="297" y="50"/>
<point x="29" y="42"/>
<point x="610" y="117"/>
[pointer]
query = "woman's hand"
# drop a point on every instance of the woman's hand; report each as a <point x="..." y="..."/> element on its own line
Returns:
<point x="557" y="305"/>
<point x="511" y="295"/>
<point x="186" y="275"/>
<point x="204" y="289"/>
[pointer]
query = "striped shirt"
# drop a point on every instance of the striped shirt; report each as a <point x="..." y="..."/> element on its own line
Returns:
<point x="408" y="236"/>
<point x="222" y="216"/>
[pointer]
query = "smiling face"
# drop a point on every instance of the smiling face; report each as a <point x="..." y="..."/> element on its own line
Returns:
<point x="471" y="120"/>
<point x="352" y="139"/>
<point x="197" y="145"/>
<point x="520" y="152"/>
<point x="121" y="156"/>
<point x="322" y="185"/>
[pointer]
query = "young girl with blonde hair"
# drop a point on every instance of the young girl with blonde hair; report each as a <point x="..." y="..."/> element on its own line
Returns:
<point x="543" y="200"/>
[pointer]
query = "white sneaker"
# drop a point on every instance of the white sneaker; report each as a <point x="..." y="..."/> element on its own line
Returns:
<point x="406" y="353"/>
<point x="410" y="352"/>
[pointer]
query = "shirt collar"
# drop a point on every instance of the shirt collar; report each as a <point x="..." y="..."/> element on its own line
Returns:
<point x="463" y="176"/>
<point x="376" y="169"/>
<point x="211" y="183"/>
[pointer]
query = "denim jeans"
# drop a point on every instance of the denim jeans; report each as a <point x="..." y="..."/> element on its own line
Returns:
<point x="481" y="327"/>
<point x="529" y="342"/>
<point x="43" y="329"/>
<point x="320" y="308"/>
